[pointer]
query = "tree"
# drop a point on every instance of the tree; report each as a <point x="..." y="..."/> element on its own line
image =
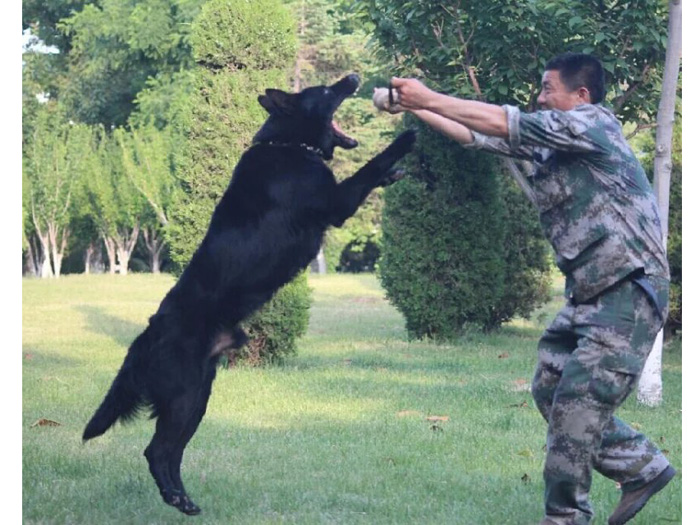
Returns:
<point x="650" y="386"/>
<point x="114" y="47"/>
<point x="147" y="162"/>
<point x="452" y="255"/>
<point x="242" y="48"/>
<point x="43" y="17"/>
<point x="116" y="206"/>
<point x="54" y="163"/>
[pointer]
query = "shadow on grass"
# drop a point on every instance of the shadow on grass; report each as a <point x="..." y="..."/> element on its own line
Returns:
<point x="101" y="323"/>
<point x="33" y="355"/>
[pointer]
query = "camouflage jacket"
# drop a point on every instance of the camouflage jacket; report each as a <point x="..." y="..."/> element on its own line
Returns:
<point x="595" y="202"/>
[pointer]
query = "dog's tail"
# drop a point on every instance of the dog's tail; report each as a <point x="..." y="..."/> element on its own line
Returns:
<point x="123" y="400"/>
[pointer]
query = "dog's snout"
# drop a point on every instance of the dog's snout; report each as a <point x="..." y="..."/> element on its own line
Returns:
<point x="347" y="85"/>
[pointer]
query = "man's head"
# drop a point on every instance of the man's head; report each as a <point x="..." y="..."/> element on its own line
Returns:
<point x="570" y="80"/>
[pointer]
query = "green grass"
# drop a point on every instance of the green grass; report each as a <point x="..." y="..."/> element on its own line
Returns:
<point x="338" y="434"/>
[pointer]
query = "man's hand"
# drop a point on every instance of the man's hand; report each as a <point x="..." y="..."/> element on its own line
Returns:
<point x="382" y="102"/>
<point x="413" y="94"/>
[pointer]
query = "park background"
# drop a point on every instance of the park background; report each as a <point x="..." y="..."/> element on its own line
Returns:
<point x="105" y="131"/>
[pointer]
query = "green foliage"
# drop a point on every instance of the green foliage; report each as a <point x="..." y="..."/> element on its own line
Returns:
<point x="494" y="51"/>
<point x="453" y="253"/>
<point x="112" y="199"/>
<point x="332" y="44"/>
<point x="164" y="101"/>
<point x="148" y="165"/>
<point x="56" y="162"/>
<point x="43" y="16"/>
<point x="244" y="34"/>
<point x="273" y="330"/>
<point x="221" y="114"/>
<point x="506" y="44"/>
<point x="675" y="231"/>
<point x="116" y="46"/>
<point x="223" y="117"/>
<point x="374" y="131"/>
<point x="243" y="48"/>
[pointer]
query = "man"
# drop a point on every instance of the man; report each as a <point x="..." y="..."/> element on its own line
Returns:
<point x="598" y="211"/>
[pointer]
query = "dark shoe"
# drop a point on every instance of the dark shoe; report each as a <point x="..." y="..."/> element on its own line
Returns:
<point x="633" y="501"/>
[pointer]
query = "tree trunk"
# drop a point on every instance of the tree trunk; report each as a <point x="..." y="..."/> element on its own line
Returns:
<point x="32" y="262"/>
<point x="321" y="262"/>
<point x="45" y="270"/>
<point x="111" y="254"/>
<point x="125" y="244"/>
<point x="58" y="240"/>
<point x="155" y="245"/>
<point x="89" y="252"/>
<point x="45" y="264"/>
<point x="650" y="387"/>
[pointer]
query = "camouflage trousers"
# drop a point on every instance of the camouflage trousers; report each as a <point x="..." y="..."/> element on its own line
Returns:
<point x="590" y="359"/>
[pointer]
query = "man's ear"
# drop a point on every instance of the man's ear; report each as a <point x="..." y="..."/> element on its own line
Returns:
<point x="584" y="94"/>
<point x="277" y="102"/>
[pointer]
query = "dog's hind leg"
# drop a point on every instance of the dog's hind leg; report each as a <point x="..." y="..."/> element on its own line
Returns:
<point x="187" y="505"/>
<point x="165" y="449"/>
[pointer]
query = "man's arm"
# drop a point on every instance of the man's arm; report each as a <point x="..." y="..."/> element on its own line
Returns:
<point x="449" y="128"/>
<point x="488" y="119"/>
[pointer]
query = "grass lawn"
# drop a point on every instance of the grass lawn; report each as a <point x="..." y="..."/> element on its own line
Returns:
<point x="362" y="426"/>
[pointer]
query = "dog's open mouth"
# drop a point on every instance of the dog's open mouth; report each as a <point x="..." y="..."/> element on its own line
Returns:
<point x="343" y="139"/>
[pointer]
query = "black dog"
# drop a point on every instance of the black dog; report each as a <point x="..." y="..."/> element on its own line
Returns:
<point x="267" y="227"/>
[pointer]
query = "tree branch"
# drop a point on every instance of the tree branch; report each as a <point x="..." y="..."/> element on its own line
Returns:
<point x="639" y="128"/>
<point x="634" y="87"/>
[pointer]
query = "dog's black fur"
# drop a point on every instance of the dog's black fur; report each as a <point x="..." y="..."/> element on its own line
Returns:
<point x="267" y="227"/>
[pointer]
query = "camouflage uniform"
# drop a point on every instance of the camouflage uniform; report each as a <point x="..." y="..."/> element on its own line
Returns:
<point x="598" y="211"/>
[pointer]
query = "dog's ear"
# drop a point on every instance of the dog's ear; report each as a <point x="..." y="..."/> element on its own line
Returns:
<point x="277" y="102"/>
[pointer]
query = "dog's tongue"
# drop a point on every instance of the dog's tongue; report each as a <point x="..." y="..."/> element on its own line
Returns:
<point x="345" y="141"/>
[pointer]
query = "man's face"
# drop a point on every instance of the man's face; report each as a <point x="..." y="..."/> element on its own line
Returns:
<point x="555" y="95"/>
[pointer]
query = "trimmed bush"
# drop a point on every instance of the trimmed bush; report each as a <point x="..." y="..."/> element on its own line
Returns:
<point x="223" y="116"/>
<point x="460" y="244"/>
<point x="274" y="329"/>
<point x="242" y="47"/>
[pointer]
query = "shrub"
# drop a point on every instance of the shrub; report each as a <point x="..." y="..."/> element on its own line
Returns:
<point x="242" y="48"/>
<point x="460" y="244"/>
<point x="275" y="328"/>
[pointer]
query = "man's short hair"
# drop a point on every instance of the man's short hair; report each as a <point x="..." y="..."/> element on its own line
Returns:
<point x="580" y="70"/>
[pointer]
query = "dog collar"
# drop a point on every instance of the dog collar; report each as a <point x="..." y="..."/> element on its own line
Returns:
<point x="312" y="149"/>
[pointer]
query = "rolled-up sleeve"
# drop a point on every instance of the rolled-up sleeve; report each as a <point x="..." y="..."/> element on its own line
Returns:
<point x="510" y="146"/>
<point x="576" y="130"/>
